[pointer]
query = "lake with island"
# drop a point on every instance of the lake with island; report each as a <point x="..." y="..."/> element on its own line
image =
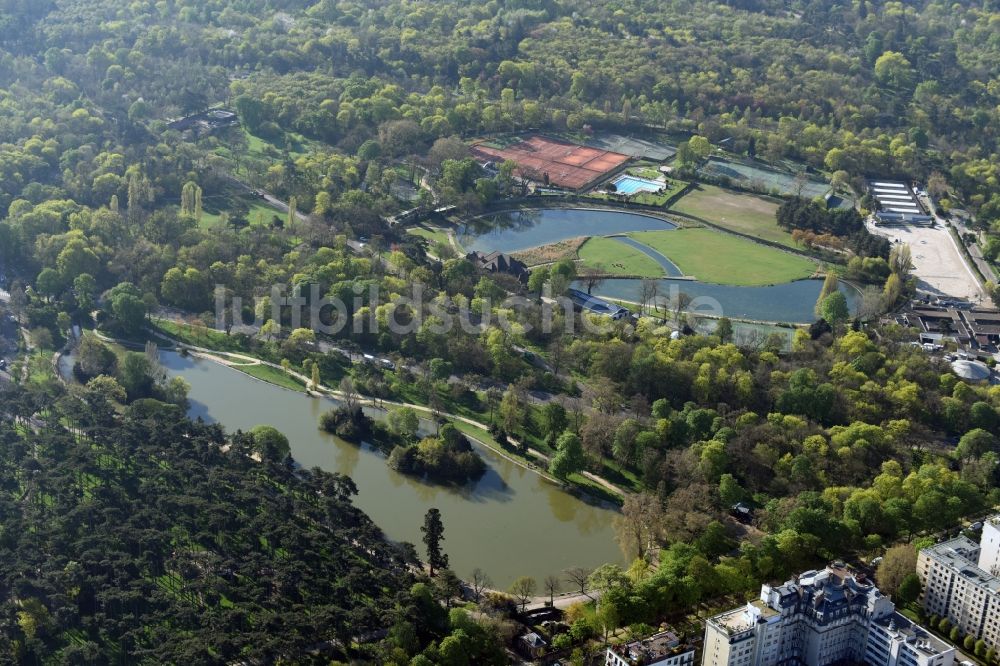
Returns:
<point x="511" y="522"/>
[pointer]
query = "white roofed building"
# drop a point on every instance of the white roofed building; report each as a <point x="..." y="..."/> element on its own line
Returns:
<point x="897" y="203"/>
<point x="822" y="618"/>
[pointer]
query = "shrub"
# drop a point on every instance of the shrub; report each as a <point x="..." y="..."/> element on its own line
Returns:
<point x="352" y="425"/>
<point x="448" y="457"/>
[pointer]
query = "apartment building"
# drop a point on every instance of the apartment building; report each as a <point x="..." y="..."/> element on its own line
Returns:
<point x="989" y="547"/>
<point x="820" y="618"/>
<point x="960" y="583"/>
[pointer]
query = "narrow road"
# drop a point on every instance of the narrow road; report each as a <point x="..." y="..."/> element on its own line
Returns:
<point x="563" y="601"/>
<point x="281" y="205"/>
<point x="975" y="251"/>
<point x="426" y="184"/>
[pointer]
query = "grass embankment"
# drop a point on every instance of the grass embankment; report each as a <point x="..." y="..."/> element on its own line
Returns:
<point x="551" y="253"/>
<point x="199" y="336"/>
<point x="574" y="481"/>
<point x="272" y="375"/>
<point x="744" y="213"/>
<point x="487" y="439"/>
<point x="711" y="256"/>
<point x="432" y="234"/>
<point x="612" y="256"/>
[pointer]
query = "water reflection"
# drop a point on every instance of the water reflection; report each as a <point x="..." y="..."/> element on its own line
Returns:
<point x="520" y="230"/>
<point x="510" y="522"/>
<point x="561" y="510"/>
<point x="792" y="302"/>
<point x="347" y="460"/>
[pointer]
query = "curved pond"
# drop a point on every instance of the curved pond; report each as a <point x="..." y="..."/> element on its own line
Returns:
<point x="792" y="302"/>
<point x="524" y="229"/>
<point x="510" y="523"/>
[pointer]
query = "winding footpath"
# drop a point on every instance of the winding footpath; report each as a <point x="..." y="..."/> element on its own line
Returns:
<point x="236" y="361"/>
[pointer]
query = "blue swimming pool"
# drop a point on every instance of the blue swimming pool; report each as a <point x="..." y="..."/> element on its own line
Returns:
<point x="631" y="184"/>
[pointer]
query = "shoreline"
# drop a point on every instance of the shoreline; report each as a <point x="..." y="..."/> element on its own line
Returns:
<point x="219" y="357"/>
<point x="330" y="394"/>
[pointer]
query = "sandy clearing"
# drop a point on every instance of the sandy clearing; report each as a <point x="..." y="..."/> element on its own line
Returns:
<point x="938" y="264"/>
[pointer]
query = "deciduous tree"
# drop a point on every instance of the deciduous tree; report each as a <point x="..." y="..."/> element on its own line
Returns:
<point x="897" y="563"/>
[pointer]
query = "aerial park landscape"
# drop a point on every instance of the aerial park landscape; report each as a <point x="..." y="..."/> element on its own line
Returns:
<point x="625" y="333"/>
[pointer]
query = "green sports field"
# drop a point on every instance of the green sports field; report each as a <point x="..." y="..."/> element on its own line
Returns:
<point x="746" y="213"/>
<point x="713" y="256"/>
<point x="611" y="256"/>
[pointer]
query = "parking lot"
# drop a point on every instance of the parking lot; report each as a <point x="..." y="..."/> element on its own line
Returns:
<point x="938" y="265"/>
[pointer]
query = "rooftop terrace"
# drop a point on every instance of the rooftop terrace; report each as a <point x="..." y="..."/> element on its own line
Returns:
<point x="740" y="620"/>
<point x="651" y="649"/>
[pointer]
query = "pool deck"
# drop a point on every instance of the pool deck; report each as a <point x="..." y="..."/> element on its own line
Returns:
<point x="637" y="184"/>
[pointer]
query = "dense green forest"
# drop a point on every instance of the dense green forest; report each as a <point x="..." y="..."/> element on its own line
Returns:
<point x="150" y="538"/>
<point x="336" y="93"/>
<point x="867" y="87"/>
<point x="130" y="534"/>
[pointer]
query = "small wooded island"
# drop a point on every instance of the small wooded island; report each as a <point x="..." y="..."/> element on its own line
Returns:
<point x="447" y="457"/>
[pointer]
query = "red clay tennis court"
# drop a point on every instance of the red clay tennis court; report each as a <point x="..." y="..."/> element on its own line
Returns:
<point x="567" y="165"/>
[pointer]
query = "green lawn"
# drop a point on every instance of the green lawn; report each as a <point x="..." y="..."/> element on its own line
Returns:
<point x="404" y="172"/>
<point x="272" y="375"/>
<point x="612" y="256"/>
<point x="40" y="369"/>
<point x="273" y="149"/>
<point x="712" y="256"/>
<point x="432" y="234"/>
<point x="260" y="212"/>
<point x="650" y="172"/>
<point x="745" y="213"/>
<point x="262" y="151"/>
<point x="199" y="336"/>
